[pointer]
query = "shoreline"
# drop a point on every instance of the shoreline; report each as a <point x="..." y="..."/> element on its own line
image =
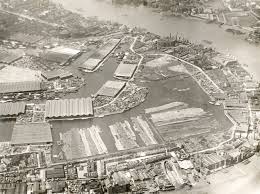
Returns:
<point x="203" y="82"/>
<point x="251" y="66"/>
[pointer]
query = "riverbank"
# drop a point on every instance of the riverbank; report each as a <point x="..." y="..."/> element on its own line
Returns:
<point x="192" y="29"/>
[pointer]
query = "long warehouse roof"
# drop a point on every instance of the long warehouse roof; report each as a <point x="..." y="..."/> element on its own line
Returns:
<point x="33" y="133"/>
<point x="69" y="108"/>
<point x="12" y="108"/>
<point x="125" y="70"/>
<point x="20" y="86"/>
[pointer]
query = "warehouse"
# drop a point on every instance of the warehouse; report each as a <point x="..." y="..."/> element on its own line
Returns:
<point x="55" y="172"/>
<point x="10" y="73"/>
<point x="14" y="188"/>
<point x="111" y="88"/>
<point x="8" y="57"/>
<point x="90" y="64"/>
<point x="125" y="71"/>
<point x="31" y="133"/>
<point x="108" y="47"/>
<point x="69" y="108"/>
<point x="58" y="74"/>
<point x="26" y="86"/>
<point x="60" y="54"/>
<point x="11" y="109"/>
<point x="213" y="161"/>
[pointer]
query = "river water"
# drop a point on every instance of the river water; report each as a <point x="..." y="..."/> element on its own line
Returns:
<point x="193" y="29"/>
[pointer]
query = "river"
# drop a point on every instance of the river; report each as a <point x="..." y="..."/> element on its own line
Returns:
<point x="193" y="29"/>
<point x="196" y="31"/>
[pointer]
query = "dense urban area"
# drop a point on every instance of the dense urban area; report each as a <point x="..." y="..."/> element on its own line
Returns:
<point x="90" y="106"/>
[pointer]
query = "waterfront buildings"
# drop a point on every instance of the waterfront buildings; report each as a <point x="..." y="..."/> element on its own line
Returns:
<point x="31" y="133"/>
<point x="11" y="109"/>
<point x="125" y="70"/>
<point x="57" y="74"/>
<point x="111" y="88"/>
<point x="69" y="108"/>
<point x="90" y="64"/>
<point x="26" y="86"/>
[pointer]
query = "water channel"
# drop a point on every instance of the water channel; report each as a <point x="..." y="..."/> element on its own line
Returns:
<point x="193" y="29"/>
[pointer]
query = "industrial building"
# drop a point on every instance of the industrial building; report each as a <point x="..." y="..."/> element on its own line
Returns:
<point x="125" y="71"/>
<point x="9" y="57"/>
<point x="241" y="130"/>
<point x="31" y="133"/>
<point x="60" y="54"/>
<point x="90" y="64"/>
<point x="16" y="188"/>
<point x="26" y="86"/>
<point x="55" y="172"/>
<point x="69" y="108"/>
<point x="108" y="47"/>
<point x="58" y="74"/>
<point x="11" y="109"/>
<point x="95" y="59"/>
<point x="111" y="88"/>
<point x="213" y="162"/>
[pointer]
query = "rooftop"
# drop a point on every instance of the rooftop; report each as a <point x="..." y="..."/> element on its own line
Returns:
<point x="66" y="51"/>
<point x="55" y="172"/>
<point x="9" y="57"/>
<point x="111" y="88"/>
<point x="50" y="75"/>
<point x="18" y="74"/>
<point x="25" y="86"/>
<point x="212" y="159"/>
<point x="7" y="109"/>
<point x="60" y="54"/>
<point x="125" y="70"/>
<point x="31" y="133"/>
<point x="90" y="64"/>
<point x="69" y="108"/>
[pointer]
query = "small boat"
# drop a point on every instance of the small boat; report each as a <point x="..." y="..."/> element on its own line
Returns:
<point x="184" y="90"/>
<point x="217" y="103"/>
<point x="208" y="41"/>
<point x="211" y="102"/>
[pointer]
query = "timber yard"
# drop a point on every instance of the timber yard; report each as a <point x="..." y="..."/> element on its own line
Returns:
<point x="90" y="106"/>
